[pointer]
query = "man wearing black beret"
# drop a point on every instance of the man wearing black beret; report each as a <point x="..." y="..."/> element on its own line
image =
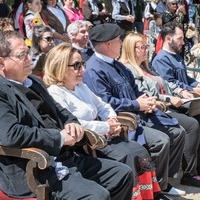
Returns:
<point x="115" y="84"/>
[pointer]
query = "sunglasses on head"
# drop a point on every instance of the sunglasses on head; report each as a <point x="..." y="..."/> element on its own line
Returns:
<point x="77" y="65"/>
<point x="48" y="39"/>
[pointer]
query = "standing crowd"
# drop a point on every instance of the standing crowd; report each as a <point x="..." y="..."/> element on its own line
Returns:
<point x="66" y="66"/>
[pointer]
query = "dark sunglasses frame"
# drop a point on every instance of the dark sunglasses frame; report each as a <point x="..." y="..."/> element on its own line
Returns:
<point x="77" y="65"/>
<point x="48" y="39"/>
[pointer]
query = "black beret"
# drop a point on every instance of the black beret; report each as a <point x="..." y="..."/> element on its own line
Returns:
<point x="104" y="32"/>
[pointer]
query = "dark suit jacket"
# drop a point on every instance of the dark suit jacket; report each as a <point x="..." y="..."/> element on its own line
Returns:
<point x="22" y="126"/>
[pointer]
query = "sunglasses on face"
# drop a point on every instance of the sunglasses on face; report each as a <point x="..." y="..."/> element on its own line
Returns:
<point x="173" y="4"/>
<point x="77" y="65"/>
<point x="48" y="39"/>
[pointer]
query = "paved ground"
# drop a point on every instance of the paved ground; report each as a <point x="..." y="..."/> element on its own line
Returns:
<point x="192" y="193"/>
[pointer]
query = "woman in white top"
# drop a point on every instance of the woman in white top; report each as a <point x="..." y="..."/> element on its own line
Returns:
<point x="63" y="73"/>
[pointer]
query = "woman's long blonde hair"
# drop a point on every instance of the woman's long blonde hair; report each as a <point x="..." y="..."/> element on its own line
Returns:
<point x="56" y="62"/>
<point x="128" y="55"/>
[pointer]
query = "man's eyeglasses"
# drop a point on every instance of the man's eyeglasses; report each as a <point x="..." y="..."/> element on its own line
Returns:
<point x="48" y="39"/>
<point x="20" y="56"/>
<point x="142" y="47"/>
<point x="173" y="4"/>
<point x="77" y="65"/>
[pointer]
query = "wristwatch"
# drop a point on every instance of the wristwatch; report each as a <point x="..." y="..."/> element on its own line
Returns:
<point x="167" y="100"/>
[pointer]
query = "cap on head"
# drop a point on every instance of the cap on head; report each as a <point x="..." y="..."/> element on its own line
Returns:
<point x="104" y="32"/>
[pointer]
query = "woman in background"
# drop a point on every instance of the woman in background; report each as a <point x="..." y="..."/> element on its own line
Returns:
<point x="31" y="10"/>
<point x="72" y="13"/>
<point x="42" y="43"/>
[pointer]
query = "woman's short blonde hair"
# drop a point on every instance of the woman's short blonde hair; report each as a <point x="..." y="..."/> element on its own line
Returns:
<point x="56" y="62"/>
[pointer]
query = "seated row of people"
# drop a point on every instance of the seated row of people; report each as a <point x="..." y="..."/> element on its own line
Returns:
<point x="160" y="133"/>
<point x="152" y="85"/>
<point x="30" y="118"/>
<point x="67" y="89"/>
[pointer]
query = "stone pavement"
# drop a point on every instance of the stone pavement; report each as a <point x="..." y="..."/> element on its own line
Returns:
<point x="192" y="193"/>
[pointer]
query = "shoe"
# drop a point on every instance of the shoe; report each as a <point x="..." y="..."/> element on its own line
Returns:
<point x="190" y="181"/>
<point x="172" y="191"/>
<point x="162" y="197"/>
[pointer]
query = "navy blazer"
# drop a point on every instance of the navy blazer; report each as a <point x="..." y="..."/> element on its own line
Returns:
<point x="22" y="126"/>
<point x="115" y="84"/>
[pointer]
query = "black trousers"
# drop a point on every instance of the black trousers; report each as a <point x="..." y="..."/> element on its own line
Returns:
<point x="165" y="144"/>
<point x="130" y="153"/>
<point x="92" y="179"/>
<point x="192" y="138"/>
<point x="198" y="151"/>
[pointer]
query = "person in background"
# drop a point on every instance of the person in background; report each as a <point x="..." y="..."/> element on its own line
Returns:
<point x="78" y="33"/>
<point x="94" y="11"/>
<point x="4" y="9"/>
<point x="6" y="24"/>
<point x="30" y="118"/>
<point x="134" y="56"/>
<point x="42" y="43"/>
<point x="72" y="13"/>
<point x="109" y="8"/>
<point x="175" y="12"/>
<point x="56" y="19"/>
<point x="80" y="5"/>
<point x="150" y="9"/>
<point x="155" y="25"/>
<point x="13" y="13"/>
<point x="124" y="14"/>
<point x="138" y="24"/>
<point x="161" y="7"/>
<point x="31" y="10"/>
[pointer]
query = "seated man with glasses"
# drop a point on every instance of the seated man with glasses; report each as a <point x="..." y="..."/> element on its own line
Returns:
<point x="30" y="118"/>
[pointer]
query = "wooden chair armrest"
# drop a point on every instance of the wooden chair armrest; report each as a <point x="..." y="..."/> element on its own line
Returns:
<point x="41" y="157"/>
<point x="129" y="121"/>
<point x="127" y="114"/>
<point x="94" y="141"/>
<point x="38" y="159"/>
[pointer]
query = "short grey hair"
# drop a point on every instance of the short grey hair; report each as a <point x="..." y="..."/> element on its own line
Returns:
<point x="73" y="28"/>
